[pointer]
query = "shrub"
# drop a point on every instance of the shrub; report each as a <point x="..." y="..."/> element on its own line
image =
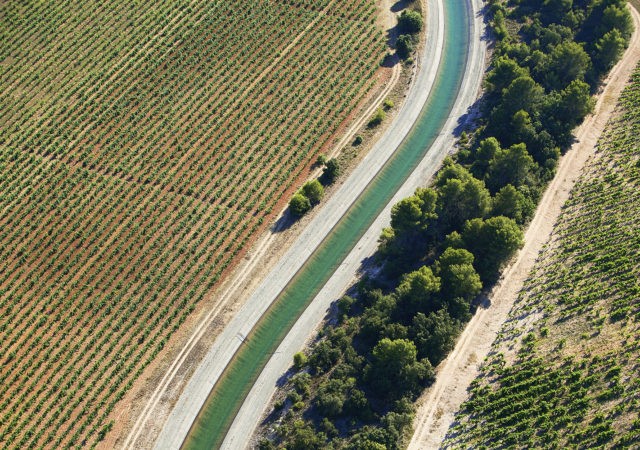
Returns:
<point x="299" y="205"/>
<point x="405" y="46"/>
<point x="377" y="118"/>
<point x="299" y="360"/>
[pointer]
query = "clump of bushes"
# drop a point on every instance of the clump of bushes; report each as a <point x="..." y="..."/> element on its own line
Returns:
<point x="410" y="23"/>
<point x="312" y="191"/>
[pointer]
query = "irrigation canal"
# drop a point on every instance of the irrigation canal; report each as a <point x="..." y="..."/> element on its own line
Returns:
<point x="227" y="396"/>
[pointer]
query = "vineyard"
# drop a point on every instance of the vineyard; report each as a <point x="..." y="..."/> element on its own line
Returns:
<point x="143" y="144"/>
<point x="563" y="372"/>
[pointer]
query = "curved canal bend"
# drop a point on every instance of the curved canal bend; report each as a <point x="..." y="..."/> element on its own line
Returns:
<point x="227" y="396"/>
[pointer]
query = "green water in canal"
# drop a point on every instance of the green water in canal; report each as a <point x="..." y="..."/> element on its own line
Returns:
<point x="228" y="394"/>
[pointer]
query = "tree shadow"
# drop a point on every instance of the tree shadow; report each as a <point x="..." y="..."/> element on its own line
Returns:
<point x="400" y="5"/>
<point x="284" y="222"/>
<point x="390" y="60"/>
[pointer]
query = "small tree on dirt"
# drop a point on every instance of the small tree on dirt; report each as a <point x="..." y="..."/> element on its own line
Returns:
<point x="299" y="205"/>
<point x="405" y="46"/>
<point x="314" y="191"/>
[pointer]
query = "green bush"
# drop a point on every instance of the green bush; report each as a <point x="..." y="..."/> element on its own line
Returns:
<point x="377" y="118"/>
<point x="314" y="191"/>
<point x="299" y="205"/>
<point x="410" y="22"/>
<point x="405" y="46"/>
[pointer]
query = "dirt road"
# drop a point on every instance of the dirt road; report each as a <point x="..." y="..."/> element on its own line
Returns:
<point x="441" y="401"/>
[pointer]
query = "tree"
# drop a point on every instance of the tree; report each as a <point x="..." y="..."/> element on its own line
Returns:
<point x="457" y="276"/>
<point x="405" y="46"/>
<point x="510" y="202"/>
<point x="461" y="200"/>
<point x="566" y="109"/>
<point x="492" y="242"/>
<point x="392" y="357"/>
<point x="410" y="22"/>
<point x="418" y="288"/>
<point x="555" y="10"/>
<point x="451" y="170"/>
<point x="314" y="191"/>
<point x="435" y="334"/>
<point x="406" y="214"/>
<point x="510" y="166"/>
<point x="522" y="94"/>
<point x="395" y="370"/>
<point x="484" y="153"/>
<point x="505" y="70"/>
<point x="567" y="62"/>
<point x="575" y="102"/>
<point x="299" y="205"/>
<point x="609" y="50"/>
<point x="617" y="17"/>
<point x="499" y="26"/>
<point x="523" y="128"/>
<point x="410" y="233"/>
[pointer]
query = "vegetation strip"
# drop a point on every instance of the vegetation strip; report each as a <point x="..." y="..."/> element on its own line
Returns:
<point x="397" y="325"/>
<point x="441" y="401"/>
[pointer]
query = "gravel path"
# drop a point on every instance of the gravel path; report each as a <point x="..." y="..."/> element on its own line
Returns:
<point x="443" y="399"/>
